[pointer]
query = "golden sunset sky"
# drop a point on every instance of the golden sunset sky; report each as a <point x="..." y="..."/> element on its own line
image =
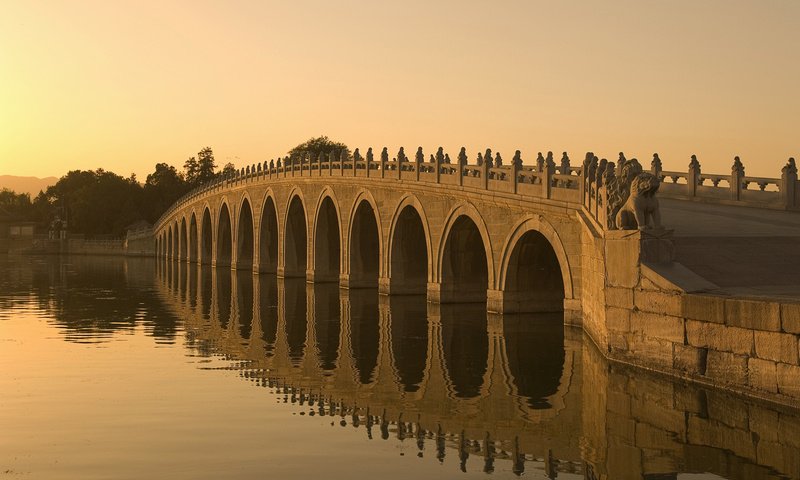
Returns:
<point x="124" y="85"/>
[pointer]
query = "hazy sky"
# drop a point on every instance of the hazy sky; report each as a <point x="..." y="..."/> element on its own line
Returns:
<point x="124" y="85"/>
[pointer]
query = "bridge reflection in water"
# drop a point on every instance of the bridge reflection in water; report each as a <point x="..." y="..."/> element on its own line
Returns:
<point x="518" y="387"/>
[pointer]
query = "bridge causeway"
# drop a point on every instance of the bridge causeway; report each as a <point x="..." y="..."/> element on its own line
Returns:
<point x="583" y="240"/>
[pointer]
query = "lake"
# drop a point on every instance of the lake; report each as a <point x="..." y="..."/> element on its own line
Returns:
<point x="135" y="368"/>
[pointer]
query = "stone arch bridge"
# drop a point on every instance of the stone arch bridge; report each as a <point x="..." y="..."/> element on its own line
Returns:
<point x="403" y="227"/>
<point x="533" y="238"/>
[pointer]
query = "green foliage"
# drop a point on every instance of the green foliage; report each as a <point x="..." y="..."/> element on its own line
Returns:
<point x="103" y="203"/>
<point x="319" y="145"/>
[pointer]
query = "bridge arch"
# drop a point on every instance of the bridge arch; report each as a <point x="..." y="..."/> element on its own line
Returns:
<point x="365" y="238"/>
<point x="326" y="238"/>
<point x="224" y="236"/>
<point x="170" y="242"/>
<point x="183" y="246"/>
<point x="409" y="236"/>
<point x="268" y="235"/>
<point x="192" y="257"/>
<point x="465" y="265"/>
<point x="245" y="241"/>
<point x="535" y="273"/>
<point x="295" y="236"/>
<point x="206" y="236"/>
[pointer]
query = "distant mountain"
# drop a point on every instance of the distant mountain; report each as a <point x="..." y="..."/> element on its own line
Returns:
<point x="32" y="185"/>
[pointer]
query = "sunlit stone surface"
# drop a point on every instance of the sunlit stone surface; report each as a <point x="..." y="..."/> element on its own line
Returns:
<point x="137" y="369"/>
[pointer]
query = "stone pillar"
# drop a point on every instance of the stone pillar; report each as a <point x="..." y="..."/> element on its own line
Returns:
<point x="737" y="177"/>
<point x="693" y="177"/>
<point x="789" y="184"/>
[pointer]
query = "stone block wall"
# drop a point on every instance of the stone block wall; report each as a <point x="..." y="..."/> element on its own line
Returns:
<point x="650" y="426"/>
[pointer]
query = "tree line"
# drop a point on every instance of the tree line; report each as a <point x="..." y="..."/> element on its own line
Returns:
<point x="99" y="202"/>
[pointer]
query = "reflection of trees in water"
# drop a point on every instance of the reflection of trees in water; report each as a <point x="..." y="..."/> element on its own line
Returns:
<point x="327" y="323"/>
<point x="364" y="333"/>
<point x="409" y="338"/>
<point x="296" y="321"/>
<point x="90" y="298"/>
<point x="535" y="352"/>
<point x="466" y="347"/>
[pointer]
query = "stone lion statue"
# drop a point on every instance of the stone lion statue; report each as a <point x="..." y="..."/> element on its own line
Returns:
<point x="641" y="208"/>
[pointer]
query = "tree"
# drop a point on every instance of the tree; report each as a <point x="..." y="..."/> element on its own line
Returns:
<point x="319" y="145"/>
<point x="206" y="165"/>
<point x="162" y="188"/>
<point x="228" y="170"/>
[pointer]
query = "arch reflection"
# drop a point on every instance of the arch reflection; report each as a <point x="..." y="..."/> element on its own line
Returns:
<point x="364" y="332"/>
<point x="465" y="348"/>
<point x="409" y="339"/>
<point x="327" y="324"/>
<point x="268" y="311"/>
<point x="534" y="345"/>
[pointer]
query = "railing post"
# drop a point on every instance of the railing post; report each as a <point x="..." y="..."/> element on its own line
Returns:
<point x="789" y="184"/>
<point x="368" y="162"/>
<point x="461" y="161"/>
<point x="356" y="158"/>
<point x="384" y="159"/>
<point x="516" y="166"/>
<point x="737" y="177"/>
<point x="549" y="170"/>
<point x="342" y="158"/>
<point x="438" y="166"/>
<point x="693" y="177"/>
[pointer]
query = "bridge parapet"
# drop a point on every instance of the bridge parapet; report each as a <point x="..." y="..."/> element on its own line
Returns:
<point x="577" y="185"/>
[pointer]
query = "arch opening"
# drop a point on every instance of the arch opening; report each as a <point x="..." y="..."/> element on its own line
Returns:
<point x="244" y="238"/>
<point x="409" y="255"/>
<point x="169" y="245"/>
<point x="207" y="240"/>
<point x="268" y="238"/>
<point x="465" y="274"/>
<point x="192" y="239"/>
<point x="364" y="248"/>
<point x="295" y="262"/>
<point x="183" y="244"/>
<point x="533" y="278"/>
<point x="224" y="241"/>
<point x="327" y="251"/>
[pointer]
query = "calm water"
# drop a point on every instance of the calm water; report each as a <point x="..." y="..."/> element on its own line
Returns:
<point x="113" y="368"/>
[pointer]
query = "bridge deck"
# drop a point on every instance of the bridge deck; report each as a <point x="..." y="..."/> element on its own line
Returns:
<point x="745" y="251"/>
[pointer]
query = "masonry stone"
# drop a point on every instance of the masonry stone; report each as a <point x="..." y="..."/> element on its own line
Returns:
<point x="779" y="347"/>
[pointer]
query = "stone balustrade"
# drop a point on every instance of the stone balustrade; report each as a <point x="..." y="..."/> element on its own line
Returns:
<point x="574" y="185"/>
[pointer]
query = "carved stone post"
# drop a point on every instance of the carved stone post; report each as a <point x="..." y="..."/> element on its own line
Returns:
<point x="516" y="166"/>
<point x="437" y="165"/>
<point x="789" y="184"/>
<point x="461" y="162"/>
<point x="737" y="177"/>
<point x="419" y="158"/>
<point x="384" y="160"/>
<point x="330" y="163"/>
<point x="356" y="158"/>
<point x="693" y="177"/>
<point x="485" y="175"/>
<point x="369" y="160"/>
<point x="342" y="158"/>
<point x="549" y="171"/>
